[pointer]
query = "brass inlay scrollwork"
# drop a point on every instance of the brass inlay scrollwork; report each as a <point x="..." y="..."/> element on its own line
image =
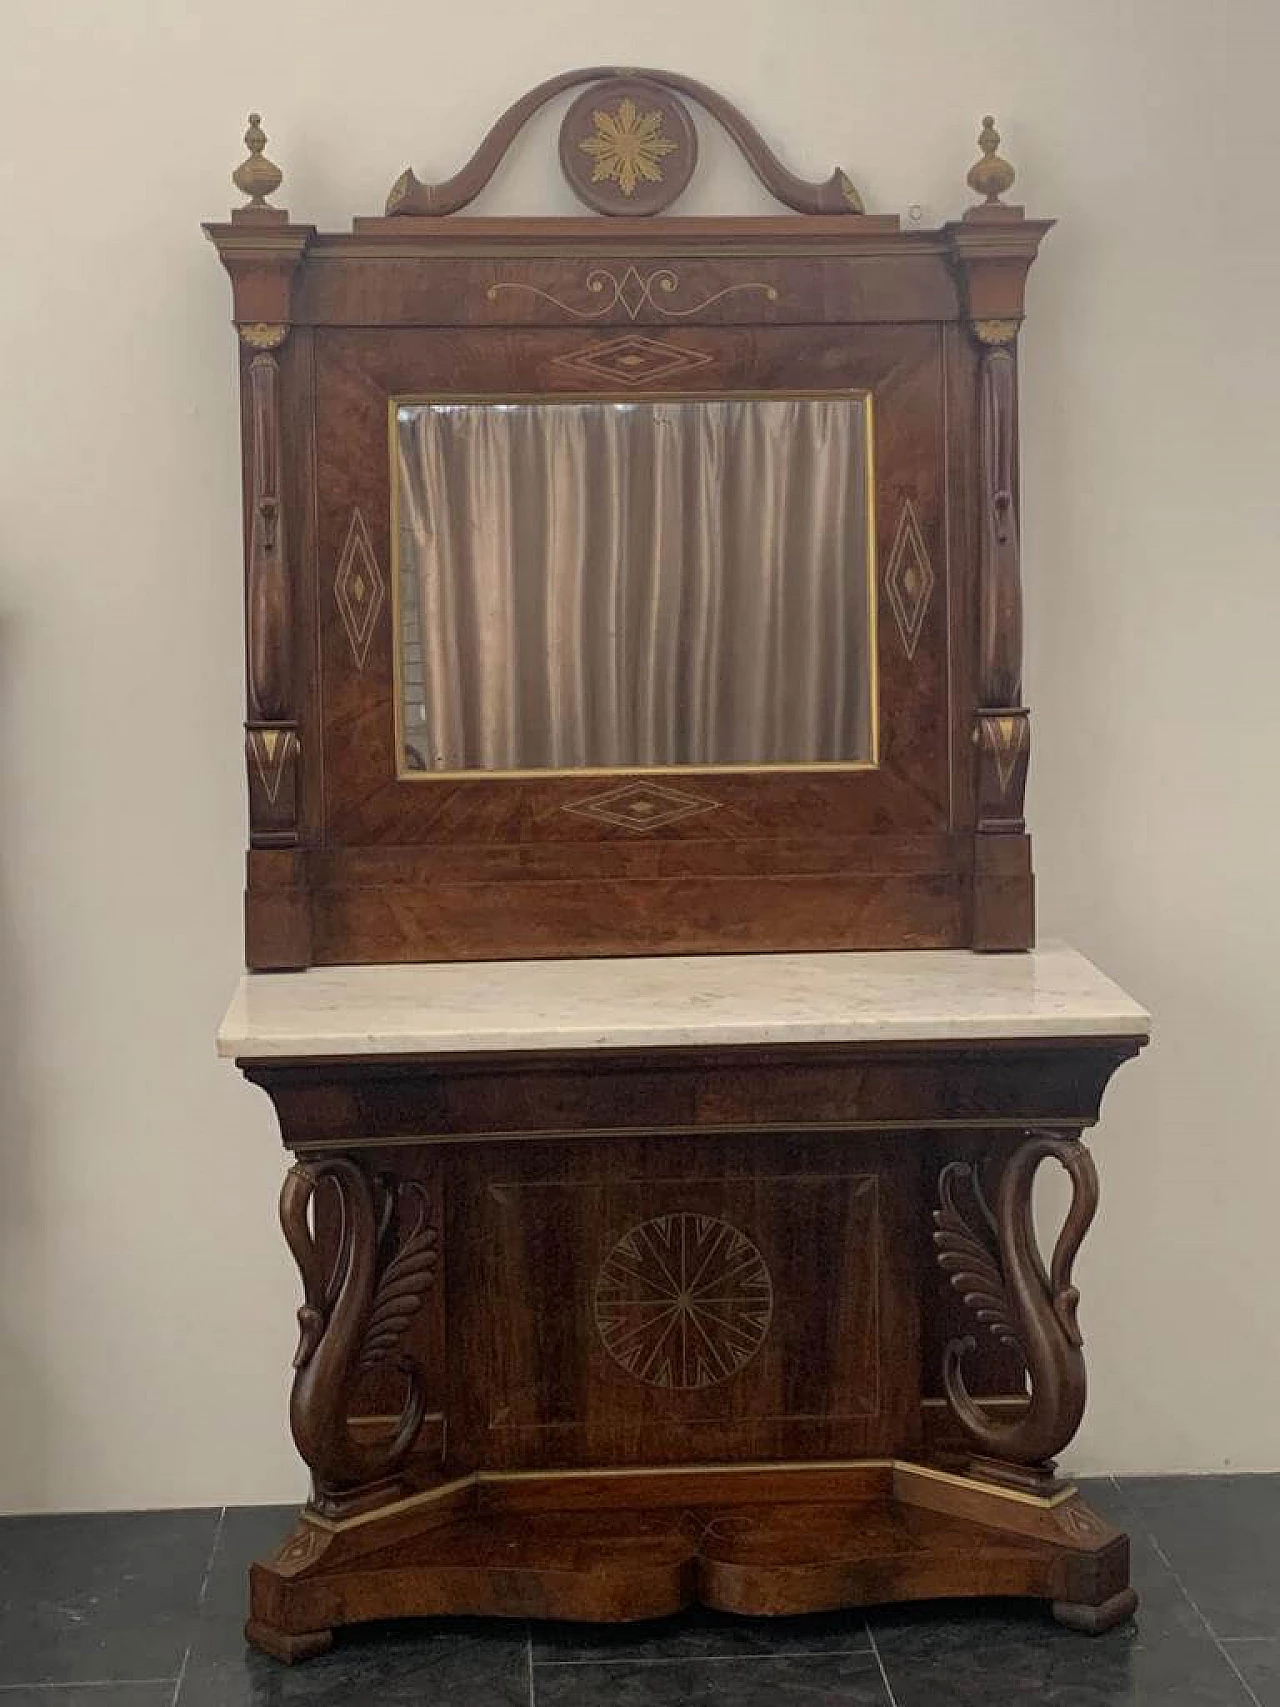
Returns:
<point x="633" y="293"/>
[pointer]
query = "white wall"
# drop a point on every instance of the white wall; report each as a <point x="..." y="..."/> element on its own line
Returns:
<point x="145" y="1298"/>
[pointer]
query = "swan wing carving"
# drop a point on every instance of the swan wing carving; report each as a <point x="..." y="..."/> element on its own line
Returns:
<point x="969" y="1262"/>
<point x="401" y="1289"/>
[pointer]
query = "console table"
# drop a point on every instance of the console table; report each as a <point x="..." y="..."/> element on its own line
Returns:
<point x="635" y="1283"/>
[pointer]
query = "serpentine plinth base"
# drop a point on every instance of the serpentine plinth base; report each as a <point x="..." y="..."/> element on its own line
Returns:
<point x="615" y="1547"/>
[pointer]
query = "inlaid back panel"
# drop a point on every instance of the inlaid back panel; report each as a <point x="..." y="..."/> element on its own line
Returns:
<point x="673" y="1300"/>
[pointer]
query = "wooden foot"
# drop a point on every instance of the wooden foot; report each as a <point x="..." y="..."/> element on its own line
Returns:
<point x="283" y="1646"/>
<point x="1096" y="1620"/>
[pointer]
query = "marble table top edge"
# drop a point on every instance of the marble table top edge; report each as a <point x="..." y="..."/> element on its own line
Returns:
<point x="675" y="1001"/>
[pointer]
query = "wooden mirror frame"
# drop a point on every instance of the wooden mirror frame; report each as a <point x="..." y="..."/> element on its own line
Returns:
<point x="348" y="862"/>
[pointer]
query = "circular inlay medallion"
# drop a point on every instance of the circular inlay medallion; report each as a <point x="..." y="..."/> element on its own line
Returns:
<point x="627" y="146"/>
<point x="683" y="1301"/>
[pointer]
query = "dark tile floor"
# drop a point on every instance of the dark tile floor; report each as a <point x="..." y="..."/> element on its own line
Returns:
<point x="145" y="1610"/>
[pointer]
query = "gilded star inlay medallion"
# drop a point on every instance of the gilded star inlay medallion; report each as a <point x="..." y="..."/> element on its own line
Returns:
<point x="627" y="146"/>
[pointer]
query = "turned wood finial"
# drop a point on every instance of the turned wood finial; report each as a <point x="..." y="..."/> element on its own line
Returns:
<point x="257" y="176"/>
<point x="991" y="176"/>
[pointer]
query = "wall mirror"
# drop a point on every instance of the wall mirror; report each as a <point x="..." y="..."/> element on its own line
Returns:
<point x="630" y="583"/>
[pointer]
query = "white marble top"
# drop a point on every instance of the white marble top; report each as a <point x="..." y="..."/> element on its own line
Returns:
<point x="673" y="1001"/>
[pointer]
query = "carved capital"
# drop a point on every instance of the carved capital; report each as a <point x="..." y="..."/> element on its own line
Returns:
<point x="995" y="332"/>
<point x="261" y="252"/>
<point x="263" y="335"/>
<point x="992" y="249"/>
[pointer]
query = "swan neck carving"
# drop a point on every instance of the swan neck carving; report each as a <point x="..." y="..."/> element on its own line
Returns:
<point x="994" y="1263"/>
<point x="356" y="1308"/>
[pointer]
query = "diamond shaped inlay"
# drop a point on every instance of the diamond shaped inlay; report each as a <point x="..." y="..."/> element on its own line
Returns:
<point x="642" y="806"/>
<point x="359" y="589"/>
<point x="634" y="359"/>
<point x="909" y="579"/>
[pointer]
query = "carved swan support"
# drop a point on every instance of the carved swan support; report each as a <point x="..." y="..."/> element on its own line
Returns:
<point x="355" y="1314"/>
<point x="1013" y="1297"/>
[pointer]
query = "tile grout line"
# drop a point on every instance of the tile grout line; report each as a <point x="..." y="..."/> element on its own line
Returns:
<point x="1213" y="1635"/>
<point x="1241" y="1678"/>
<point x="213" y="1554"/>
<point x="528" y="1653"/>
<point x="200" y="1600"/>
<point x="181" y="1677"/>
<point x="1186" y="1594"/>
<point x="88" y="1683"/>
<point x="884" y="1676"/>
<point x="864" y="1652"/>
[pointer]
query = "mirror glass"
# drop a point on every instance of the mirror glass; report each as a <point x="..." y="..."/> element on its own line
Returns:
<point x="623" y="584"/>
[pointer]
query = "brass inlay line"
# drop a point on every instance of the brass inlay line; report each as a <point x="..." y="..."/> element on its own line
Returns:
<point x="734" y="1129"/>
<point x="640" y="1473"/>
<point x="430" y="1496"/>
<point x="927" y="1473"/>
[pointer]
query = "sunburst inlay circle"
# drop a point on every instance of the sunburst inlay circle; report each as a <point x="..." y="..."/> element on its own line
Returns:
<point x="627" y="147"/>
<point x="683" y="1301"/>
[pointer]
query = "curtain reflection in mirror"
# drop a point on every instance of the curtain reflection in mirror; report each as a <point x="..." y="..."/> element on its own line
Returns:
<point x="622" y="584"/>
